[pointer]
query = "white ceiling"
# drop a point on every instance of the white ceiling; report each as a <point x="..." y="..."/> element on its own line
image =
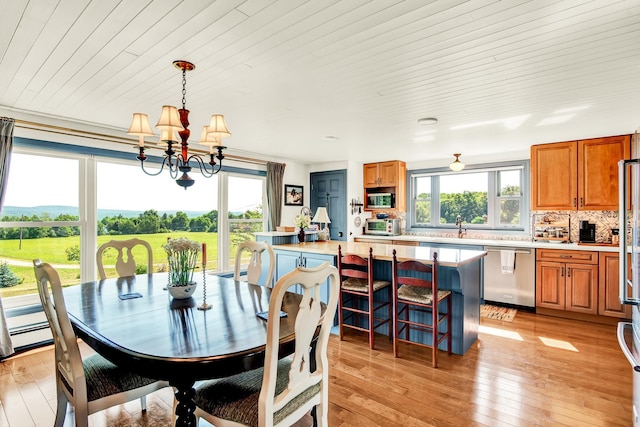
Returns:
<point x="498" y="75"/>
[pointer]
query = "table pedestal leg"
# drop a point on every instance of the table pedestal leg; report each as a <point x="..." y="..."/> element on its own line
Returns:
<point x="186" y="406"/>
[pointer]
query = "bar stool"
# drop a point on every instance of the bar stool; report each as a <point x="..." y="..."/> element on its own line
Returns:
<point x="415" y="307"/>
<point x="358" y="291"/>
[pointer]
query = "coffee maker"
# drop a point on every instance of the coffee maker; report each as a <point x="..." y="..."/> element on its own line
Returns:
<point x="587" y="232"/>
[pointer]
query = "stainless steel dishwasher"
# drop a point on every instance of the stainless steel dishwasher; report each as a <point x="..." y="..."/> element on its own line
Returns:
<point x="518" y="288"/>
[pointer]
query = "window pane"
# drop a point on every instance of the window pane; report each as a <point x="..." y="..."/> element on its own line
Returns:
<point x="510" y="183"/>
<point x="464" y="195"/>
<point x="423" y="200"/>
<point x="52" y="198"/>
<point x="509" y="211"/>
<point x="154" y="208"/>
<point x="245" y="212"/>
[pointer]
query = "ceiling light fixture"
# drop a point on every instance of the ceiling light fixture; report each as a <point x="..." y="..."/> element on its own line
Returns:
<point x="427" y="121"/>
<point x="457" y="165"/>
<point x="172" y="121"/>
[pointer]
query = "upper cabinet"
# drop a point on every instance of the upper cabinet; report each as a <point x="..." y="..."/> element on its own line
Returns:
<point x="386" y="177"/>
<point x="577" y="175"/>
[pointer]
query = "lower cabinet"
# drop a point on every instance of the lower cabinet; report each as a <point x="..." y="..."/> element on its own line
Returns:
<point x="609" y="287"/>
<point x="567" y="280"/>
<point x="287" y="261"/>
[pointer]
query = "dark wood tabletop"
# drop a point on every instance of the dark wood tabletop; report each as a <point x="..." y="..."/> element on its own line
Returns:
<point x="168" y="339"/>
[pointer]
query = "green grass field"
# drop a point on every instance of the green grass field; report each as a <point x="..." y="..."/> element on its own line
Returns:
<point x="53" y="251"/>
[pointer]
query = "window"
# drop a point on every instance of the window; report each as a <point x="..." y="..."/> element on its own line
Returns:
<point x="490" y="197"/>
<point x="90" y="197"/>
<point x="244" y="201"/>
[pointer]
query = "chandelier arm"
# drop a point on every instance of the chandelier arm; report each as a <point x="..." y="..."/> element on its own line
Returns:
<point x="204" y="170"/>
<point x="164" y="162"/>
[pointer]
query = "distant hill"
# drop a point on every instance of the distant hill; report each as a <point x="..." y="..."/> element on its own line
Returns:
<point x="54" y="211"/>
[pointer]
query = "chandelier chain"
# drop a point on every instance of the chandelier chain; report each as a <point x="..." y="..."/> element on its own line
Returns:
<point x="184" y="88"/>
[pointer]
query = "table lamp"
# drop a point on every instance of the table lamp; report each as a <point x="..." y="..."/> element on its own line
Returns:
<point x="322" y="217"/>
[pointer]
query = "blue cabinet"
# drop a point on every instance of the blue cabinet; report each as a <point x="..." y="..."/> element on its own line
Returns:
<point x="287" y="261"/>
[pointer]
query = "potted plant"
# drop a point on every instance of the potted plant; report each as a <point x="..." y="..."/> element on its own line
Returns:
<point x="302" y="221"/>
<point x="182" y="256"/>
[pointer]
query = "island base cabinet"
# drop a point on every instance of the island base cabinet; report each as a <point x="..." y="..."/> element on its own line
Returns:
<point x="287" y="261"/>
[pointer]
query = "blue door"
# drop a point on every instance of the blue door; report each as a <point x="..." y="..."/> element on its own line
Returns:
<point x="329" y="189"/>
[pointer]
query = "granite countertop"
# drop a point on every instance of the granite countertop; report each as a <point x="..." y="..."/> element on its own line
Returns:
<point x="498" y="243"/>
<point x="446" y="257"/>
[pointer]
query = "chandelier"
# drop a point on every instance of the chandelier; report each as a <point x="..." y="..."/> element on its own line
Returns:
<point x="176" y="121"/>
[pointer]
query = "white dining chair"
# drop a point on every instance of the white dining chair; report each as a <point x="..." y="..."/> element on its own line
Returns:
<point x="254" y="268"/>
<point x="92" y="384"/>
<point x="124" y="267"/>
<point x="286" y="388"/>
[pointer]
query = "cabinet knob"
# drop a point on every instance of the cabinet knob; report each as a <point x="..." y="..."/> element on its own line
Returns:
<point x="561" y="271"/>
<point x="568" y="271"/>
<point x="581" y="202"/>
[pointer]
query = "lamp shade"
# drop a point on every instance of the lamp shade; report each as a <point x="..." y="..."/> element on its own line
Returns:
<point x="167" y="135"/>
<point x="217" y="127"/>
<point x="169" y="118"/>
<point x="457" y="165"/>
<point x="321" y="216"/>
<point x="140" y="125"/>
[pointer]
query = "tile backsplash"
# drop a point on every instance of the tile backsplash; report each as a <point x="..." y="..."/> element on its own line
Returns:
<point x="604" y="221"/>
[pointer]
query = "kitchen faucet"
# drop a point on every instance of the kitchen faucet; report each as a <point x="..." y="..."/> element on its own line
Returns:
<point x="459" y="224"/>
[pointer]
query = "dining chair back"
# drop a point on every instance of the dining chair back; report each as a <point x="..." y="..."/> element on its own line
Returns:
<point x="92" y="384"/>
<point x="286" y="388"/>
<point x="417" y="302"/>
<point x="254" y="268"/>
<point x="365" y="302"/>
<point x="125" y="266"/>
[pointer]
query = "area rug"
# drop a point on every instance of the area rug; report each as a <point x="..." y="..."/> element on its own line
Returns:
<point x="497" y="313"/>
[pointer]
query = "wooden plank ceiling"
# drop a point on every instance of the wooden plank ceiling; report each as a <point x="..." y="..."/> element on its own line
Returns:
<point x="498" y="75"/>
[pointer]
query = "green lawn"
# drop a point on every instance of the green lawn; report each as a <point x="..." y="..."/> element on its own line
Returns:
<point x="53" y="251"/>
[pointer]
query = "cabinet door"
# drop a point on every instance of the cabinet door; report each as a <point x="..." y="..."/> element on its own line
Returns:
<point x="315" y="260"/>
<point x="550" y="285"/>
<point x="608" y="287"/>
<point x="598" y="171"/>
<point x="388" y="172"/>
<point x="581" y="286"/>
<point x="554" y="169"/>
<point x="371" y="175"/>
<point x="286" y="261"/>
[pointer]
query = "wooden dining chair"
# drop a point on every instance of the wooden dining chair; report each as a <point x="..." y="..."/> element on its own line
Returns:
<point x="288" y="387"/>
<point x="416" y="309"/>
<point x="125" y="266"/>
<point x="92" y="384"/>
<point x="362" y="296"/>
<point x="254" y="268"/>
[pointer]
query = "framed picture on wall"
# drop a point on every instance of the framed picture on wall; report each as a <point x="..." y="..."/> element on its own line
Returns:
<point x="293" y="195"/>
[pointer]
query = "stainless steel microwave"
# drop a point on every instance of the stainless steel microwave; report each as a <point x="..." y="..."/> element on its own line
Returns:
<point x="380" y="200"/>
<point x="382" y="227"/>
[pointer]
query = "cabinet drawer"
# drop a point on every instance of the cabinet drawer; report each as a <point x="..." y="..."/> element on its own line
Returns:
<point x="578" y="257"/>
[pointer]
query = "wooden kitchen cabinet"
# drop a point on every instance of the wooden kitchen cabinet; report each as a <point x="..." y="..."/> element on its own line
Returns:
<point x="384" y="174"/>
<point x="609" y="288"/>
<point x="387" y="177"/>
<point x="577" y="175"/>
<point x="567" y="280"/>
<point x="554" y="171"/>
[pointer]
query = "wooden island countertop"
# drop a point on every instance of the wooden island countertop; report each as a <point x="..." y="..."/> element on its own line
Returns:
<point x="383" y="252"/>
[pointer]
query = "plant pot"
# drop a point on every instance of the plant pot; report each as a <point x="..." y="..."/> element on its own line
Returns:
<point x="301" y="236"/>
<point x="182" y="291"/>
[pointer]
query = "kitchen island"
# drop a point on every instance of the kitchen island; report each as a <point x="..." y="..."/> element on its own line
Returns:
<point x="459" y="271"/>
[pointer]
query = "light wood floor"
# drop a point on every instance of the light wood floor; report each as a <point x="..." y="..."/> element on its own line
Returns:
<point x="537" y="370"/>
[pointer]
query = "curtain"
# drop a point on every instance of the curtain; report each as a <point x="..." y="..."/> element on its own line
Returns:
<point x="275" y="188"/>
<point x="6" y="143"/>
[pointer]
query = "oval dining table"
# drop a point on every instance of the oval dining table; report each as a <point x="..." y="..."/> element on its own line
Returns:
<point x="135" y="323"/>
